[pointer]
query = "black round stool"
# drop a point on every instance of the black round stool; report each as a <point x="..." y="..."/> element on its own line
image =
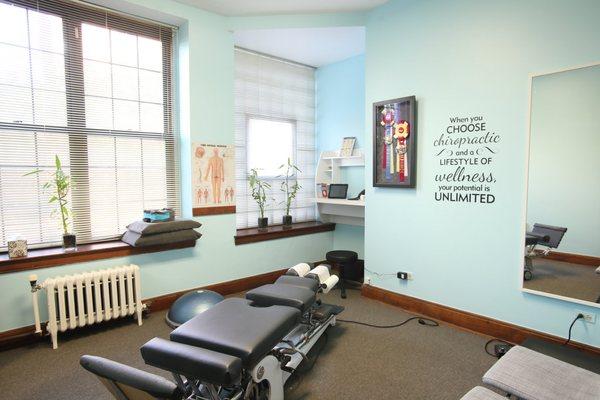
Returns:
<point x="344" y="259"/>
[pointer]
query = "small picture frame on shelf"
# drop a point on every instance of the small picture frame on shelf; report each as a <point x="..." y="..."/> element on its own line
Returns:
<point x="395" y="142"/>
<point x="348" y="146"/>
<point x="322" y="190"/>
<point x="17" y="248"/>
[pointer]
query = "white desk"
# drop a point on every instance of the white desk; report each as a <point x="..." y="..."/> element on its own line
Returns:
<point x="342" y="211"/>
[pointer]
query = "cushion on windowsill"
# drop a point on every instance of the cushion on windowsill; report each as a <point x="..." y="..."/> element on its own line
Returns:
<point x="138" y="240"/>
<point x="151" y="228"/>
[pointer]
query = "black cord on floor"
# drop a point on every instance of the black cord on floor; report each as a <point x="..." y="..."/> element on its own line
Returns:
<point x="422" y="321"/>
<point x="579" y="316"/>
<point x="487" y="345"/>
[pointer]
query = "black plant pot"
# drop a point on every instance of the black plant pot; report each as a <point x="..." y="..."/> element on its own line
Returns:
<point x="287" y="221"/>
<point x="69" y="241"/>
<point x="263" y="224"/>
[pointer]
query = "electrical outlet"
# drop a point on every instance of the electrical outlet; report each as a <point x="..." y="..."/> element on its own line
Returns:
<point x="588" y="317"/>
<point x="405" y="276"/>
<point x="367" y="280"/>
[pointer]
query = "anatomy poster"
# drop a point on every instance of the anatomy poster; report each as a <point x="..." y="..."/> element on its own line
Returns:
<point x="213" y="179"/>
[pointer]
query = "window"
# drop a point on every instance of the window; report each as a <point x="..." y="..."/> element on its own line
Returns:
<point x="270" y="144"/>
<point x="93" y="88"/>
<point x="274" y="121"/>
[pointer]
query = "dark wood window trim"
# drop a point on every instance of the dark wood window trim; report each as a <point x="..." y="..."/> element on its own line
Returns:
<point x="55" y="256"/>
<point x="252" y="235"/>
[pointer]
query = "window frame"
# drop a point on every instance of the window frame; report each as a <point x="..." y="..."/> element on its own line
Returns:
<point x="75" y="127"/>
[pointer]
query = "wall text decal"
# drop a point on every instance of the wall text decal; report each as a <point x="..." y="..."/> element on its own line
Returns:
<point x="465" y="154"/>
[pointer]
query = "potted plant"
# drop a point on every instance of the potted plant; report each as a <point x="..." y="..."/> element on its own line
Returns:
<point x="290" y="191"/>
<point x="259" y="194"/>
<point x="60" y="186"/>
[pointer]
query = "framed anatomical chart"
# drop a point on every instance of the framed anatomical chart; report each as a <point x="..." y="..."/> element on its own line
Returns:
<point x="213" y="179"/>
<point x="394" y="143"/>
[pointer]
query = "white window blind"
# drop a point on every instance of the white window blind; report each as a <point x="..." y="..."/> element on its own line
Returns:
<point x="274" y="119"/>
<point x="94" y="88"/>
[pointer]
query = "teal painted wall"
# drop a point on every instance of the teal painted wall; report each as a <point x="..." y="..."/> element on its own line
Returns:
<point x="564" y="167"/>
<point x="350" y="237"/>
<point x="214" y="259"/>
<point x="469" y="57"/>
<point x="340" y="112"/>
<point x="461" y="57"/>
<point x="205" y="102"/>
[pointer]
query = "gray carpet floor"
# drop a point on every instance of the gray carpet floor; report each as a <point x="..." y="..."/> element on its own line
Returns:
<point x="411" y="362"/>
<point x="565" y="279"/>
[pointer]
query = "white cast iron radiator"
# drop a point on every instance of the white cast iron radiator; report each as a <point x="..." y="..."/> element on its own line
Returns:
<point x="88" y="298"/>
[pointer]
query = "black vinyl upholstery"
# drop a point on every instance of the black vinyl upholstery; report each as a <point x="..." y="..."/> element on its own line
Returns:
<point x="193" y="362"/>
<point x="531" y="239"/>
<point x="551" y="235"/>
<point x="344" y="259"/>
<point x="308" y="283"/>
<point x="236" y="328"/>
<point x="342" y="256"/>
<point x="156" y="386"/>
<point x="283" y="295"/>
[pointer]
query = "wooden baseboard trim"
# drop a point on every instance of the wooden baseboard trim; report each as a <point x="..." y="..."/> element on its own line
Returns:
<point x="20" y="337"/>
<point x="26" y="335"/>
<point x="161" y="303"/>
<point x="465" y="320"/>
<point x="574" y="258"/>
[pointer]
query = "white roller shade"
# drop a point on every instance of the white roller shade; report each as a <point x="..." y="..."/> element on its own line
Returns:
<point x="267" y="89"/>
<point x="95" y="88"/>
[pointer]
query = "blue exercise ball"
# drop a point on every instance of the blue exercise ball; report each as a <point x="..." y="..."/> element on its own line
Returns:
<point x="191" y="304"/>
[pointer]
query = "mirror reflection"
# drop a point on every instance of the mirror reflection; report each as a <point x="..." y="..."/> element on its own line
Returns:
<point x="562" y="254"/>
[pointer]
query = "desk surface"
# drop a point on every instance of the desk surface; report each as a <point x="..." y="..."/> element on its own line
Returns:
<point x="341" y="202"/>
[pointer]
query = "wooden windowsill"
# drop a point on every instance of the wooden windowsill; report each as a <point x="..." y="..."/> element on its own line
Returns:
<point x="54" y="256"/>
<point x="253" y="235"/>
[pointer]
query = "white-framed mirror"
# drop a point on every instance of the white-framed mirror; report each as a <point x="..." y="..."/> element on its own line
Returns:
<point x="562" y="252"/>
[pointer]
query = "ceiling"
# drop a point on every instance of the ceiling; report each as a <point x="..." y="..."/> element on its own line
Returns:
<point x="265" y="7"/>
<point x="311" y="46"/>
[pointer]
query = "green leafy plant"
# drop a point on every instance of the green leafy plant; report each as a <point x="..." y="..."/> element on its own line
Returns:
<point x="60" y="186"/>
<point x="258" y="188"/>
<point x="290" y="190"/>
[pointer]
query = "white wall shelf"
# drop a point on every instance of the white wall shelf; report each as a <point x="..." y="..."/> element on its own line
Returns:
<point x="335" y="157"/>
<point x="330" y="170"/>
<point x="350" y="161"/>
<point x="330" y="164"/>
